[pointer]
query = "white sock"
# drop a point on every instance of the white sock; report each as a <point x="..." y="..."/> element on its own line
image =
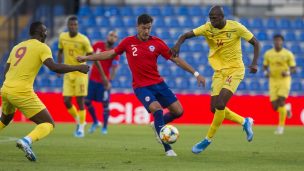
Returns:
<point x="28" y="139"/>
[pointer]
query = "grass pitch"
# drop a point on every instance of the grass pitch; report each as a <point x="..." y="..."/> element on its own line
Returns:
<point x="129" y="147"/>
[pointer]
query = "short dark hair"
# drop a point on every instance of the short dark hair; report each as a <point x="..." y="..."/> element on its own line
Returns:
<point x="72" y="18"/>
<point x="34" y="26"/>
<point x="144" y="19"/>
<point x="278" y="36"/>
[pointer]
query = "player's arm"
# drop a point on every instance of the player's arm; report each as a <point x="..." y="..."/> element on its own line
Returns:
<point x="185" y="66"/>
<point x="60" y="56"/>
<point x="113" y="71"/>
<point x="180" y="41"/>
<point x="100" y="56"/>
<point x="62" y="68"/>
<point x="266" y="71"/>
<point x="104" y="78"/>
<point x="256" y="51"/>
<point x="6" y="70"/>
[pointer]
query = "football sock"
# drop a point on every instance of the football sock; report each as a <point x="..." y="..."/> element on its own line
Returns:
<point x="73" y="112"/>
<point x="2" y="125"/>
<point x="158" y="124"/>
<point x="91" y="110"/>
<point x="106" y="112"/>
<point x="39" y="132"/>
<point x="234" y="117"/>
<point x="169" y="117"/>
<point x="82" y="116"/>
<point x="282" y="115"/>
<point x="216" y="123"/>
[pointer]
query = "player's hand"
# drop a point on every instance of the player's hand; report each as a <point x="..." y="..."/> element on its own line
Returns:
<point x="253" y="69"/>
<point x="81" y="59"/>
<point x="201" y="82"/>
<point x="266" y="74"/>
<point x="84" y="68"/>
<point x="175" y="51"/>
<point x="107" y="85"/>
<point x="285" y="73"/>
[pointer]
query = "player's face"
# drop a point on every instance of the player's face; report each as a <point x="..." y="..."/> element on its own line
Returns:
<point x="112" y="37"/>
<point x="73" y="26"/>
<point x="43" y="33"/>
<point x="216" y="20"/>
<point x="144" y="30"/>
<point x="278" y="43"/>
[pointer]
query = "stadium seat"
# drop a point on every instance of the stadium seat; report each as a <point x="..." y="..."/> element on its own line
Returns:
<point x="298" y="23"/>
<point x="58" y="10"/>
<point x="296" y="49"/>
<point x="168" y="10"/>
<point x="290" y="36"/>
<point x="164" y="34"/>
<point x="262" y="36"/>
<point x="154" y="11"/>
<point x="84" y="11"/>
<point x="103" y="21"/>
<point x="271" y="23"/>
<point x="139" y="10"/>
<point x="126" y="11"/>
<point x="116" y="22"/>
<point x="257" y="23"/>
<point x="130" y="22"/>
<point x="186" y="23"/>
<point x="111" y="11"/>
<point x="284" y="23"/>
<point x="88" y="21"/>
<point x="195" y="11"/>
<point x="254" y="85"/>
<point x="181" y="10"/>
<point x="301" y="37"/>
<point x="159" y="22"/>
<point x="172" y="22"/>
<point x="296" y="86"/>
<point x="245" y="22"/>
<point x="242" y="86"/>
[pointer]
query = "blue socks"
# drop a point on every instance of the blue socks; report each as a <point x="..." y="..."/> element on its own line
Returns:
<point x="91" y="110"/>
<point x="169" y="117"/>
<point x="159" y="123"/>
<point x="106" y="112"/>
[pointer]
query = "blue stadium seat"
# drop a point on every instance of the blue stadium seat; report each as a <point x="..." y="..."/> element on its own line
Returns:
<point x="154" y="11"/>
<point x="298" y="23"/>
<point x="198" y="47"/>
<point x="227" y="10"/>
<point x="126" y="11"/>
<point x="284" y="23"/>
<point x="245" y="22"/>
<point x="102" y="21"/>
<point x="300" y="61"/>
<point x="164" y="34"/>
<point x="57" y="83"/>
<point x="208" y="71"/>
<point x="187" y="23"/>
<point x="296" y="86"/>
<point x="290" y="36"/>
<point x="195" y="11"/>
<point x="84" y="11"/>
<point x="95" y="34"/>
<point x="271" y="23"/>
<point x="257" y="23"/>
<point x="130" y="22"/>
<point x="181" y="10"/>
<point x="88" y="21"/>
<point x="301" y="37"/>
<point x="168" y="10"/>
<point x="44" y="82"/>
<point x="117" y="22"/>
<point x="254" y="85"/>
<point x="265" y="86"/>
<point x="111" y="11"/>
<point x="262" y="36"/>
<point x="98" y="11"/>
<point x="58" y="10"/>
<point x="242" y="86"/>
<point x="159" y="22"/>
<point x="296" y="49"/>
<point x="172" y="22"/>
<point x="139" y="10"/>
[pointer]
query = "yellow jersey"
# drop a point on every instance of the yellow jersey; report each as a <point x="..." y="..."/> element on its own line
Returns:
<point x="278" y="62"/>
<point x="72" y="48"/>
<point x="225" y="44"/>
<point x="25" y="60"/>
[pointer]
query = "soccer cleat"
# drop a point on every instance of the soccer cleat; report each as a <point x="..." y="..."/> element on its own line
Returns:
<point x="156" y="134"/>
<point x="171" y="153"/>
<point x="279" y="130"/>
<point x="201" y="146"/>
<point x="288" y="108"/>
<point x="94" y="127"/>
<point x="104" y="131"/>
<point x="26" y="148"/>
<point x="80" y="131"/>
<point x="247" y="127"/>
<point x="76" y="130"/>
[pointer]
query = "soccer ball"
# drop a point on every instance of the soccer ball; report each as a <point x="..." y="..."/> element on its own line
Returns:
<point x="169" y="134"/>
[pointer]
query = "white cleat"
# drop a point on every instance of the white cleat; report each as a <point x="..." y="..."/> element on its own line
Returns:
<point x="156" y="134"/>
<point x="171" y="153"/>
<point x="279" y="130"/>
<point x="288" y="108"/>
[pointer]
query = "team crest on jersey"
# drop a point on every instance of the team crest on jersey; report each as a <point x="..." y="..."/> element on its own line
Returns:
<point x="151" y="48"/>
<point x="147" y="99"/>
<point x="228" y="35"/>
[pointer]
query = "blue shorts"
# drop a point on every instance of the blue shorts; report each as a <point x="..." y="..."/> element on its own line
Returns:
<point x="157" y="92"/>
<point x="97" y="92"/>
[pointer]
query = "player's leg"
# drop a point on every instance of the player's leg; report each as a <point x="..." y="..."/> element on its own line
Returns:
<point x="175" y="111"/>
<point x="106" y="111"/>
<point x="93" y="94"/>
<point x="8" y="111"/>
<point x="68" y="93"/>
<point x="71" y="108"/>
<point x="5" y="120"/>
<point x="282" y="115"/>
<point x="82" y="116"/>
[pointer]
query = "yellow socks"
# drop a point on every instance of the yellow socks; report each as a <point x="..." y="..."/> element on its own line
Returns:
<point x="73" y="112"/>
<point x="234" y="117"/>
<point x="218" y="118"/>
<point x="2" y="126"/>
<point x="282" y="115"/>
<point x="82" y="116"/>
<point x="40" y="132"/>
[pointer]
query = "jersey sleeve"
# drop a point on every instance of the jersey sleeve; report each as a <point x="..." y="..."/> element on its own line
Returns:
<point x="121" y="47"/>
<point x="165" y="50"/>
<point x="87" y="46"/>
<point x="291" y="60"/>
<point x="200" y="31"/>
<point x="10" y="56"/>
<point x="266" y="61"/>
<point x="244" y="32"/>
<point x="45" y="53"/>
<point x="60" y="46"/>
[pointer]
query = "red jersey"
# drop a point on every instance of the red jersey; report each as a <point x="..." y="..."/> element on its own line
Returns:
<point x="142" y="59"/>
<point x="105" y="64"/>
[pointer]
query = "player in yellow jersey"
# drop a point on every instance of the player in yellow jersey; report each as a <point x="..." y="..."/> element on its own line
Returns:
<point x="225" y="56"/>
<point x="279" y="63"/>
<point x="75" y="84"/>
<point x="17" y="91"/>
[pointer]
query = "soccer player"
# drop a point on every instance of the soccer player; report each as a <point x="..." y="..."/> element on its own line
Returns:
<point x="225" y="57"/>
<point x="72" y="44"/>
<point x="142" y="51"/>
<point x="99" y="83"/>
<point x="279" y="64"/>
<point x="17" y="92"/>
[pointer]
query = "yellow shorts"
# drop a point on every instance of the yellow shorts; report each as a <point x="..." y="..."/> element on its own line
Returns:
<point x="279" y="88"/>
<point x="77" y="86"/>
<point x="228" y="79"/>
<point x="28" y="103"/>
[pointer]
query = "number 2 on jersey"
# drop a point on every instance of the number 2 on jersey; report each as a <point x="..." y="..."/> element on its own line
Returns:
<point x="134" y="49"/>
<point x="20" y="54"/>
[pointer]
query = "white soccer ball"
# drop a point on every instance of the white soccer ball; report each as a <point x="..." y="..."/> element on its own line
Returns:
<point x="169" y="134"/>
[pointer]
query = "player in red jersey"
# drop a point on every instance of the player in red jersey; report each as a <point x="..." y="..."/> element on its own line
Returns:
<point x="99" y="84"/>
<point x="142" y="51"/>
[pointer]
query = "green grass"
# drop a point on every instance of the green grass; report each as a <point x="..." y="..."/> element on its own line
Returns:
<point x="134" y="148"/>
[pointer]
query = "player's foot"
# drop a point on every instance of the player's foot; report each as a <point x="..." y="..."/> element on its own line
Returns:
<point x="25" y="146"/>
<point x="279" y="130"/>
<point x="201" y="146"/>
<point x="104" y="131"/>
<point x="171" y="153"/>
<point x="94" y="127"/>
<point x="247" y="127"/>
<point x="80" y="131"/>
<point x="156" y="134"/>
<point x="288" y="108"/>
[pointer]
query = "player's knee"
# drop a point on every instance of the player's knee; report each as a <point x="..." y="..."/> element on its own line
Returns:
<point x="220" y="106"/>
<point x="67" y="103"/>
<point x="155" y="107"/>
<point x="212" y="109"/>
<point x="178" y="113"/>
<point x="88" y="103"/>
